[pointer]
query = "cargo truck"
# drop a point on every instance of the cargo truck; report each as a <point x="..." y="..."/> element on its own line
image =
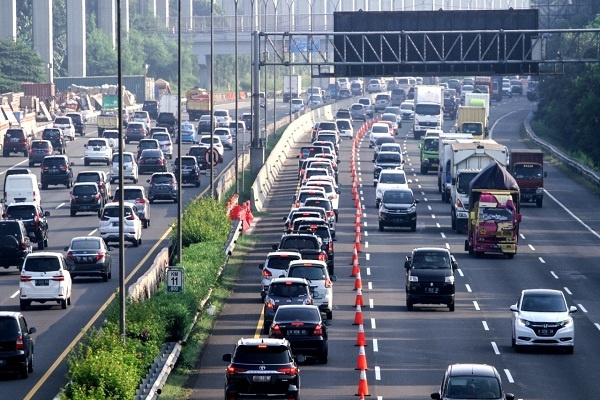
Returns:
<point x="198" y="103"/>
<point x="527" y="167"/>
<point x="444" y="151"/>
<point x="107" y="121"/>
<point x="472" y="120"/>
<point x="429" y="109"/>
<point x="494" y="217"/>
<point x="467" y="159"/>
<point x="292" y="87"/>
<point x="429" y="147"/>
<point x="168" y="104"/>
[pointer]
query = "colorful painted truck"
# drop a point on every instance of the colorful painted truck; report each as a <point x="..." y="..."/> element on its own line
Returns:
<point x="527" y="167"/>
<point x="494" y="218"/>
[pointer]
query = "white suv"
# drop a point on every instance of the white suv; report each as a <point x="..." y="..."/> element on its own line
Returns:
<point x="166" y="144"/>
<point x="45" y="277"/>
<point x="66" y="124"/>
<point x="97" y="150"/>
<point x="136" y="194"/>
<point x="217" y="144"/>
<point x="226" y="138"/>
<point x="109" y="224"/>
<point x="390" y="179"/>
<point x="130" y="167"/>
<point x="223" y="118"/>
<point x="321" y="287"/>
<point x="143" y="117"/>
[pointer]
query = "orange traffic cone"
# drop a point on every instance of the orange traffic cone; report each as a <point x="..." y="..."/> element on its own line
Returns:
<point x="358" y="282"/>
<point x="361" y="339"/>
<point x="361" y="364"/>
<point x="363" y="388"/>
<point x="357" y="244"/>
<point x="357" y="229"/>
<point x="355" y="265"/>
<point x="358" y="318"/>
<point x="359" y="297"/>
<point x="357" y="202"/>
<point x="354" y="258"/>
<point x="357" y="220"/>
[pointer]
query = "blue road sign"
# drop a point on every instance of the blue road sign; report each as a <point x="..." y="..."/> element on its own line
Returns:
<point x="301" y="45"/>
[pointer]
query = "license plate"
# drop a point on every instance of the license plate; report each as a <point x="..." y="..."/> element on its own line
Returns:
<point x="96" y="148"/>
<point x="42" y="282"/>
<point x="295" y="332"/>
<point x="13" y="140"/>
<point x="546" y="332"/>
<point x="261" y="378"/>
<point x="431" y="290"/>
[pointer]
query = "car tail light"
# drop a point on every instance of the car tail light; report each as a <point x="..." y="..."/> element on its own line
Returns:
<point x="330" y="213"/>
<point x="141" y="161"/>
<point x="70" y="255"/>
<point x="58" y="278"/>
<point x="73" y="199"/>
<point x="266" y="273"/>
<point x="276" y="331"/>
<point x="330" y="246"/>
<point x="97" y="196"/>
<point x="322" y="257"/>
<point x="269" y="303"/>
<point x="233" y="370"/>
<point x="48" y="151"/>
<point x="173" y="182"/>
<point x="19" y="343"/>
<point x="161" y="161"/>
<point x="100" y="256"/>
<point x="318" y="331"/>
<point x="37" y="221"/>
<point x="65" y="167"/>
<point x="327" y="283"/>
<point x="130" y="217"/>
<point x="288" y="370"/>
<point x="44" y="168"/>
<point x="31" y="150"/>
<point x="140" y="200"/>
<point x="25" y="278"/>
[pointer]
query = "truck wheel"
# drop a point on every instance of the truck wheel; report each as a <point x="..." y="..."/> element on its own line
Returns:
<point x="510" y="256"/>
<point x="451" y="306"/>
<point x="423" y="170"/>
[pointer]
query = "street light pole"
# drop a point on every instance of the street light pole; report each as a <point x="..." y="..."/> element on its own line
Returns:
<point x="178" y="137"/>
<point x="212" y="100"/>
<point x="237" y="133"/>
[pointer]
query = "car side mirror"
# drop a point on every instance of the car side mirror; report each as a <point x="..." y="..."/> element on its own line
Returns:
<point x="31" y="330"/>
<point x="416" y="201"/>
<point x="274" y="247"/>
<point x="227" y="357"/>
<point x="261" y="266"/>
<point x="85" y="145"/>
<point x="148" y="180"/>
<point x="333" y="278"/>
<point x="328" y="322"/>
<point x="66" y="248"/>
<point x="72" y="164"/>
<point x="514" y="308"/>
<point x="572" y="309"/>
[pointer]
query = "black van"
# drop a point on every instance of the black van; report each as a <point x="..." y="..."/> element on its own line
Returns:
<point x="151" y="107"/>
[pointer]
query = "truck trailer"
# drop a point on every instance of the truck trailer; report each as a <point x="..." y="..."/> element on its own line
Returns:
<point x="527" y="167"/>
<point x="494" y="216"/>
<point x="292" y="87"/>
<point x="444" y="151"/>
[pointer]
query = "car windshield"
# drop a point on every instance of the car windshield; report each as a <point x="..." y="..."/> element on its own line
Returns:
<point x="113" y="212"/>
<point x="380" y="129"/>
<point x="23" y="212"/>
<point x="288" y="289"/>
<point x="161" y="137"/>
<point x="343" y="124"/>
<point x="187" y="161"/>
<point x="42" y="264"/>
<point x="308" y="272"/>
<point x="51" y="133"/>
<point x="406" y="107"/>
<point x="54" y="161"/>
<point x="220" y="113"/>
<point x="85" y="244"/>
<point x="464" y="179"/>
<point x="96" y="143"/>
<point x="151" y="153"/>
<point x="131" y="194"/>
<point x="84" y="189"/>
<point x="393" y="178"/>
<point x="388" y="158"/>
<point x="262" y="355"/>
<point x="62" y="121"/>
<point x="543" y="303"/>
<point x="473" y="387"/>
<point x="327" y="126"/>
<point x="162" y="178"/>
<point x="427" y="109"/>
<point x="357" y="107"/>
<point x="431" y="145"/>
<point x="139" y="115"/>
<point x="395" y="197"/>
<point x="528" y="171"/>
<point x="495" y="215"/>
<point x="301" y="243"/>
<point x="9" y="329"/>
<point x="430" y="260"/>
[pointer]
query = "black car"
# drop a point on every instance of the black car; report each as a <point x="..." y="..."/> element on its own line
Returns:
<point x="39" y="150"/>
<point x="78" y="122"/>
<point x="199" y="152"/>
<point x="57" y="170"/>
<point x="288" y="291"/>
<point x="471" y="381"/>
<point x="100" y="178"/>
<point x="86" y="197"/>
<point x="247" y="118"/>
<point x="321" y="230"/>
<point x="398" y="208"/>
<point x="135" y="131"/>
<point x="16" y="344"/>
<point x="34" y="219"/>
<point x="89" y="256"/>
<point x="167" y="120"/>
<point x="262" y="368"/>
<point x="190" y="170"/>
<point x="57" y="137"/>
<point x="151" y="106"/>
<point x="430" y="277"/>
<point x="163" y="186"/>
<point x="152" y="160"/>
<point x="205" y="124"/>
<point x="304" y="328"/>
<point x="14" y="244"/>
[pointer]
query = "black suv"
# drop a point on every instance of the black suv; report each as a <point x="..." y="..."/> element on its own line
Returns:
<point x="57" y="138"/>
<point x="86" y="197"/>
<point x="430" y="277"/>
<point x="78" y="122"/>
<point x="190" y="170"/>
<point x="16" y="344"/>
<point x="16" y="141"/>
<point x="151" y="106"/>
<point x="14" y="243"/>
<point x="57" y="170"/>
<point x="167" y="120"/>
<point x="308" y="245"/>
<point x="262" y="368"/>
<point x="34" y="218"/>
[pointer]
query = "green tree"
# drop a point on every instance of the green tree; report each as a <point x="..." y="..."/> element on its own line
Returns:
<point x="18" y="64"/>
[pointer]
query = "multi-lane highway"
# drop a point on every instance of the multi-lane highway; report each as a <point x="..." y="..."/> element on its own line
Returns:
<point x="58" y="330"/>
<point x="408" y="352"/>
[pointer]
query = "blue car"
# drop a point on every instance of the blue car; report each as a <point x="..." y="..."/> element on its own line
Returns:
<point x="188" y="133"/>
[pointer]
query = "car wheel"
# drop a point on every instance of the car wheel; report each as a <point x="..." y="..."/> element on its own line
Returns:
<point x="175" y="200"/>
<point x="329" y="314"/>
<point x="409" y="305"/>
<point x="44" y="186"/>
<point x="86" y="162"/>
<point x="63" y="304"/>
<point x="510" y="256"/>
<point x="324" y="354"/>
<point x="413" y="227"/>
<point x="46" y="242"/>
<point x="451" y="307"/>
<point x="453" y="222"/>
<point x="73" y="213"/>
<point x="105" y="277"/>
<point x="381" y="227"/>
<point x="25" y="153"/>
<point x="24" y="305"/>
<point x="30" y="363"/>
<point x="69" y="299"/>
<point x="569" y="350"/>
<point x="135" y="180"/>
<point x="144" y="223"/>
<point x="5" y="153"/>
<point x="139" y="241"/>
<point x="513" y="342"/>
<point x="31" y="163"/>
<point x="24" y="373"/>
<point x="151" y="202"/>
<point x="135" y="243"/>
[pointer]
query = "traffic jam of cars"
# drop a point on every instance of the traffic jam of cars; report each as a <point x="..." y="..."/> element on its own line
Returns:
<point x="297" y="277"/>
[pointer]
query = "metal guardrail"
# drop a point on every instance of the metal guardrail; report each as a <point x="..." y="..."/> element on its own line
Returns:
<point x="583" y="170"/>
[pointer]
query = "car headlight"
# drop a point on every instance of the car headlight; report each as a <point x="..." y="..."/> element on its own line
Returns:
<point x="416" y="122"/>
<point x="566" y="322"/>
<point x="449" y="279"/>
<point x="413" y="278"/>
<point x="524" y="322"/>
<point x="383" y="209"/>
<point x="412" y="209"/>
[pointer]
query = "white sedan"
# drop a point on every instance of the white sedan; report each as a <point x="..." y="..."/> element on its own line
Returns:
<point x="378" y="130"/>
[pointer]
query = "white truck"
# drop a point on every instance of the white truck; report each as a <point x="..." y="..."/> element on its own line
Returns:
<point x="429" y="109"/>
<point x="292" y="87"/>
<point x="168" y="104"/>
<point x="444" y="142"/>
<point x="468" y="158"/>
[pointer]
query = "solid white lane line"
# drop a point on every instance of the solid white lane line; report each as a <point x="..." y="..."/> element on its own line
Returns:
<point x="495" y="347"/>
<point x="476" y="305"/>
<point x="509" y="376"/>
<point x="593" y="232"/>
<point x="567" y="290"/>
<point x="554" y="275"/>
<point x="531" y="247"/>
<point x="542" y="260"/>
<point x="597" y="325"/>
<point x="460" y="272"/>
<point x="373" y="325"/>
<point x="485" y="326"/>
<point x="375" y="346"/>
<point x="377" y="373"/>
<point x="468" y="288"/>
<point x="371" y="303"/>
<point x="15" y="294"/>
<point x="582" y="308"/>
<point x="92" y="232"/>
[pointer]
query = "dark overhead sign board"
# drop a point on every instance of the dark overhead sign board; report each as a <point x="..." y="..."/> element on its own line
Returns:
<point x="438" y="50"/>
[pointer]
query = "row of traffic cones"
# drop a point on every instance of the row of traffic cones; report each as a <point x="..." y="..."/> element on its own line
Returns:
<point x="361" y="340"/>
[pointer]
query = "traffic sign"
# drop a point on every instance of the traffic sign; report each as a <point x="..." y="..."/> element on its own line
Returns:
<point x="214" y="159"/>
<point x="175" y="279"/>
<point x="302" y="46"/>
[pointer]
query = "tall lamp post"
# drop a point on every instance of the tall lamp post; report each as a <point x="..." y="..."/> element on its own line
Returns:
<point x="290" y="5"/>
<point x="237" y="133"/>
<point x="275" y="4"/>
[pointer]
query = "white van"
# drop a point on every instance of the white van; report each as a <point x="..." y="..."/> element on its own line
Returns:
<point x="19" y="188"/>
